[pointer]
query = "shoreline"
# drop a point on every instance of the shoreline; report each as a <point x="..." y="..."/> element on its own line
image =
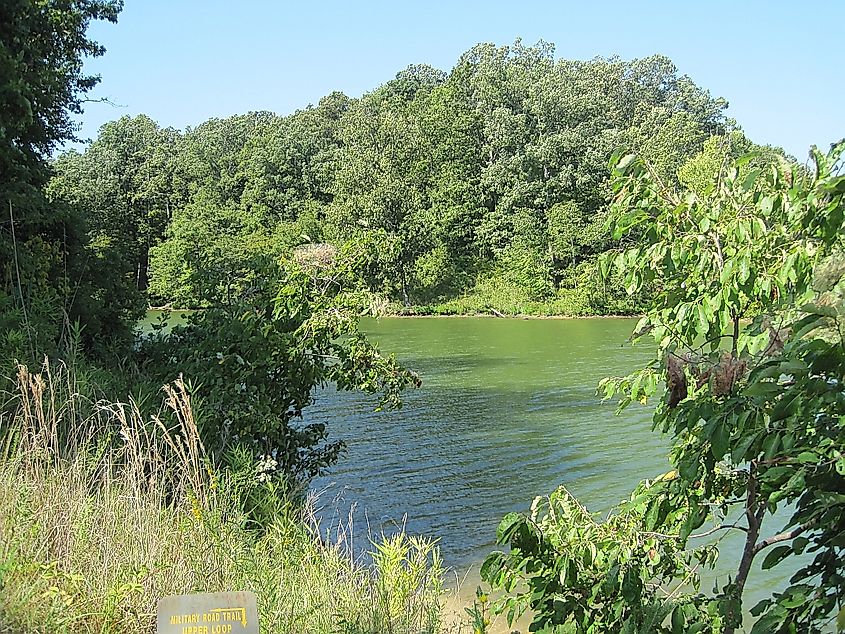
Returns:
<point x="435" y="315"/>
<point x="500" y="316"/>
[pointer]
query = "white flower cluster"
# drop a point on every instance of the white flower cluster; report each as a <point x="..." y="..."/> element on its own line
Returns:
<point x="265" y="468"/>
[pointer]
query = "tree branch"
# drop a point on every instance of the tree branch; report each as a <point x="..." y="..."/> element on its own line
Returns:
<point x="754" y="515"/>
<point x="784" y="536"/>
<point x="104" y="100"/>
<point x="719" y="528"/>
<point x="720" y="259"/>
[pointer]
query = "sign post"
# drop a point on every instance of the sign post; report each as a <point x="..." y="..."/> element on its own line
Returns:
<point x="215" y="613"/>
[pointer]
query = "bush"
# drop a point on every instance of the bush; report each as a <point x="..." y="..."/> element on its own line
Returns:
<point x="747" y="315"/>
<point x="254" y="365"/>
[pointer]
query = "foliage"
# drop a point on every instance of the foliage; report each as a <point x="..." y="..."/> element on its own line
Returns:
<point x="479" y="620"/>
<point x="598" y="576"/>
<point x="701" y="171"/>
<point x="748" y="321"/>
<point x="93" y="536"/>
<point x="43" y="46"/>
<point x="47" y="280"/>
<point x="495" y="168"/>
<point x="124" y="183"/>
<point x="255" y="361"/>
<point x="212" y="255"/>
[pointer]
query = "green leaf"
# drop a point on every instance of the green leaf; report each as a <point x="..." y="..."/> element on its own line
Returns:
<point x="750" y="179"/>
<point x="775" y="556"/>
<point x="817" y="309"/>
<point x="785" y="407"/>
<point x="625" y="162"/>
<point x="727" y="272"/>
<point x="688" y="467"/>
<point x="770" y="445"/>
<point x="760" y="607"/>
<point x="720" y="440"/>
<point x="652" y="510"/>
<point x="762" y="388"/>
<point x="693" y="520"/>
<point x="631" y="585"/>
<point x="703" y="320"/>
<point x="807" y="457"/>
<point x="746" y="158"/>
<point x="740" y="449"/>
<point x="510" y="523"/>
<point x="492" y="566"/>
<point x="770" y="623"/>
<point x="799" y="544"/>
<point x="793" y="600"/>
<point x="807" y="325"/>
<point x="744" y="270"/>
<point x="678" y="620"/>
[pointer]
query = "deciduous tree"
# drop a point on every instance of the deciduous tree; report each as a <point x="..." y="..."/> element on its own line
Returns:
<point x="747" y="316"/>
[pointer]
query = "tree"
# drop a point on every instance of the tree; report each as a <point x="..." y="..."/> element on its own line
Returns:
<point x="212" y="254"/>
<point x="747" y="313"/>
<point x="123" y="185"/>
<point x="382" y="183"/>
<point x="41" y="53"/>
<point x="209" y="157"/>
<point x="43" y="257"/>
<point x="702" y="170"/>
<point x="255" y="361"/>
<point x="289" y="169"/>
<point x="455" y="182"/>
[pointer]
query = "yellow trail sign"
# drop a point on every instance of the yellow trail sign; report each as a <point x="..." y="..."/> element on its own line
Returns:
<point x="214" y="613"/>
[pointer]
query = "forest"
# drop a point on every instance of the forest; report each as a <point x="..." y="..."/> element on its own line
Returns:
<point x="136" y="465"/>
<point x="481" y="188"/>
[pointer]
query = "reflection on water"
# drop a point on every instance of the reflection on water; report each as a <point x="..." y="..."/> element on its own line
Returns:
<point x="507" y="411"/>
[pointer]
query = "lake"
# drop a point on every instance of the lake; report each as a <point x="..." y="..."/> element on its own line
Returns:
<point x="507" y="411"/>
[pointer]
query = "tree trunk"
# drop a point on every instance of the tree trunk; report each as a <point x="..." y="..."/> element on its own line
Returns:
<point x="754" y="516"/>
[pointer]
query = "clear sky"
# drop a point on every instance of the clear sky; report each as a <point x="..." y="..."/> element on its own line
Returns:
<point x="778" y="63"/>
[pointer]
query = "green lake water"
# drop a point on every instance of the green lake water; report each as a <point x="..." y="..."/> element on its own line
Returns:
<point x="507" y="411"/>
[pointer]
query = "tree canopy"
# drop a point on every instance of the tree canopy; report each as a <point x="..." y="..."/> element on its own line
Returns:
<point x="44" y="261"/>
<point x="488" y="179"/>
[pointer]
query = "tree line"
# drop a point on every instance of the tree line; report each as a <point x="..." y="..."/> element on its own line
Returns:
<point x="77" y="238"/>
<point x="489" y="181"/>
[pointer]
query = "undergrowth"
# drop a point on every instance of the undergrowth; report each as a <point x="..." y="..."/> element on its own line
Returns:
<point x="103" y="511"/>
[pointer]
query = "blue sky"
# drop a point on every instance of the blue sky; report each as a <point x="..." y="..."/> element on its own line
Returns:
<point x="182" y="62"/>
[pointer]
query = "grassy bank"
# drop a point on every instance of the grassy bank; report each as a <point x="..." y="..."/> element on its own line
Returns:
<point x="490" y="301"/>
<point x="500" y="296"/>
<point x="103" y="511"/>
<point x="495" y="296"/>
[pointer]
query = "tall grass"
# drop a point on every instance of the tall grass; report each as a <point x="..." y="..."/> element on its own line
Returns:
<point x="104" y="510"/>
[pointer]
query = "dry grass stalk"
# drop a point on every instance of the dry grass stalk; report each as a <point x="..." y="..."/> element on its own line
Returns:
<point x="103" y="511"/>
